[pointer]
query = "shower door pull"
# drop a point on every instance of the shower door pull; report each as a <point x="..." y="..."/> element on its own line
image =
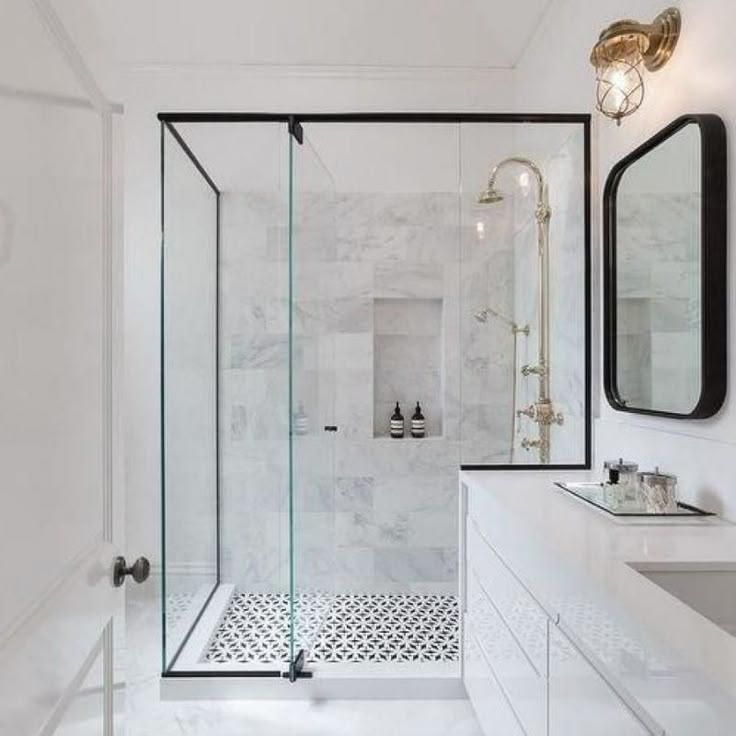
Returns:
<point x="330" y="428"/>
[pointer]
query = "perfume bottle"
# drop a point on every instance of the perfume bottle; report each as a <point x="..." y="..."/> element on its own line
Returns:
<point x="397" y="423"/>
<point x="418" y="425"/>
<point x="301" y="423"/>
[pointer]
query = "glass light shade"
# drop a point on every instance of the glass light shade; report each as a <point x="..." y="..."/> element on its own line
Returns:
<point x="620" y="88"/>
<point x="620" y="84"/>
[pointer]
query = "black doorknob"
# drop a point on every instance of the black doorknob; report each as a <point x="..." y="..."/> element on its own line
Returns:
<point x="139" y="570"/>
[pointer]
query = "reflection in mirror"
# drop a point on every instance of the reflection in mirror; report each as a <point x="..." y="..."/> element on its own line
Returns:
<point x="658" y="277"/>
<point x="665" y="273"/>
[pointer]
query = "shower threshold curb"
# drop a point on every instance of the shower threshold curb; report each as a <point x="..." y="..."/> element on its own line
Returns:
<point x="217" y="687"/>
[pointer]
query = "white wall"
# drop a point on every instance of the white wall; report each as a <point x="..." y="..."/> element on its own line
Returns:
<point x="555" y="74"/>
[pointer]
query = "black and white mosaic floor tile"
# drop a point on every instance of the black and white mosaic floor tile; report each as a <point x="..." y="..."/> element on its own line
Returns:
<point x="178" y="606"/>
<point x="339" y="628"/>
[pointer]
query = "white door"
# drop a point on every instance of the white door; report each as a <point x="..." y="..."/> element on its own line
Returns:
<point x="59" y="611"/>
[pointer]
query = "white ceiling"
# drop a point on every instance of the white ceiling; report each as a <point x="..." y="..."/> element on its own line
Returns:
<point x="390" y="33"/>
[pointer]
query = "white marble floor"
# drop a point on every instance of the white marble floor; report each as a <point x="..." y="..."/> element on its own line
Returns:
<point x="301" y="718"/>
<point x="147" y="715"/>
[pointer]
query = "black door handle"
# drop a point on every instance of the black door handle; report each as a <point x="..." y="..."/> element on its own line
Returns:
<point x="139" y="570"/>
<point x="330" y="428"/>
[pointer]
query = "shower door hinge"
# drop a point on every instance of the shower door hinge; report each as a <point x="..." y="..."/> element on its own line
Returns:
<point x="295" y="128"/>
<point x="296" y="668"/>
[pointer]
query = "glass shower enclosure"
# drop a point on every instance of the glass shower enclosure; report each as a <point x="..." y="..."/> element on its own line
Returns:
<point x="316" y="270"/>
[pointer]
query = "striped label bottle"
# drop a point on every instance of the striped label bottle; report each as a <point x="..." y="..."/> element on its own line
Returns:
<point x="397" y="423"/>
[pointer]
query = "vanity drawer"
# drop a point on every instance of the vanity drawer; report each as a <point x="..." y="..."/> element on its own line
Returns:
<point x="494" y="714"/>
<point x="522" y="683"/>
<point x="582" y="702"/>
<point x="523" y="616"/>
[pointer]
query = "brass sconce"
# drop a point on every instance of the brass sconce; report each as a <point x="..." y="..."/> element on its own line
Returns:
<point x="622" y="50"/>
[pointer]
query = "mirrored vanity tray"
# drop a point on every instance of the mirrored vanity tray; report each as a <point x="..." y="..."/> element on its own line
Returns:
<point x="596" y="495"/>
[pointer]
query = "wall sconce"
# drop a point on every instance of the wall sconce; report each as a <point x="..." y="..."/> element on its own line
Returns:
<point x="622" y="50"/>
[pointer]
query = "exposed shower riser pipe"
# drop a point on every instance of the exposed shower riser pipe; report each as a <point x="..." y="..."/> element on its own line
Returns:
<point x="542" y="411"/>
<point x="543" y="216"/>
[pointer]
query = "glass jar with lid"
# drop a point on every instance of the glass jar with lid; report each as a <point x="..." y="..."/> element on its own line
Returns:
<point x="621" y="482"/>
<point x="659" y="491"/>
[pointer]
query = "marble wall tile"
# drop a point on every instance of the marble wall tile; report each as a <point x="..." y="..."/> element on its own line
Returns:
<point x="353" y="404"/>
<point x="408" y="565"/>
<point x="259" y="351"/>
<point x="253" y="546"/>
<point x="419" y="317"/>
<point x="375" y="244"/>
<point x="407" y="457"/>
<point x="255" y="317"/>
<point x="238" y="421"/>
<point x="318" y="280"/>
<point x="254" y="406"/>
<point x="419" y="280"/>
<point x="354" y="493"/>
<point x="384" y="529"/>
<point x="329" y="316"/>
<point x="354" y="457"/>
<point x="433" y="528"/>
<point x="408" y="387"/>
<point x="315" y="529"/>
<point x="365" y="265"/>
<point x="314" y="243"/>
<point x="353" y="567"/>
<point x="432" y="244"/>
<point x="353" y="351"/>
<point x="434" y="588"/>
<point x="427" y="493"/>
<point x="396" y="210"/>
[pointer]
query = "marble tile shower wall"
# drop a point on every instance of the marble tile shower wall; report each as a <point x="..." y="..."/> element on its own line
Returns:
<point x="389" y="522"/>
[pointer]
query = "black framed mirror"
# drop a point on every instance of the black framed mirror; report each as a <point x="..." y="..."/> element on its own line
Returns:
<point x="665" y="241"/>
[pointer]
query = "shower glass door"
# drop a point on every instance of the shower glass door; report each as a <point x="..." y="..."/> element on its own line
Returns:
<point x="312" y="328"/>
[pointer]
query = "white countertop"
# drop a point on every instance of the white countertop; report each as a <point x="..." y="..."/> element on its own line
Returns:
<point x="601" y="549"/>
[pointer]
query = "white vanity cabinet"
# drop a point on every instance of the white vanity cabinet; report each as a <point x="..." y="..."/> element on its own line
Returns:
<point x="523" y="673"/>
<point x="581" y="701"/>
<point x="484" y="690"/>
<point x="511" y="632"/>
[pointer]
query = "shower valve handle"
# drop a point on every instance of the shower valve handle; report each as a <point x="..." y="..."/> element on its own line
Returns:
<point x="530" y="412"/>
<point x="528" y="444"/>
<point x="533" y="370"/>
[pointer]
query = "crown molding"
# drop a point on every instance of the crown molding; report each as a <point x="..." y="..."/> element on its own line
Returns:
<point x="323" y="71"/>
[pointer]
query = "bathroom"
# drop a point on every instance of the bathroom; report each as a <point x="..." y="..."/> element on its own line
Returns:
<point x="302" y="236"/>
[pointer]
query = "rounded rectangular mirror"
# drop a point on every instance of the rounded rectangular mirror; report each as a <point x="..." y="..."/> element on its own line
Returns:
<point x="665" y="273"/>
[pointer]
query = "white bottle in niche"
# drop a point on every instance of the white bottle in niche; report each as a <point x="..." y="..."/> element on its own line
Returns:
<point x="397" y="423"/>
<point x="301" y="422"/>
<point x="418" y="425"/>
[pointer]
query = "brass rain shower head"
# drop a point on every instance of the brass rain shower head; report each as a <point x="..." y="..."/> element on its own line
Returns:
<point x="491" y="195"/>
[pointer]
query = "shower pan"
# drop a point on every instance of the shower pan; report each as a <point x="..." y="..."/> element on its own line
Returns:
<point x="316" y="270"/>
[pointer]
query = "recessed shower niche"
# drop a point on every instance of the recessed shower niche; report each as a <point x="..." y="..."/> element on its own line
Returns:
<point x="408" y="362"/>
<point x="313" y="275"/>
